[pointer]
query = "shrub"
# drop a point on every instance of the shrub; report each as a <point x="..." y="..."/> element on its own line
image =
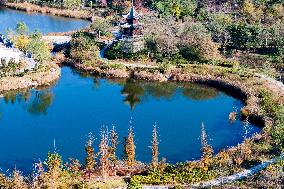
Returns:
<point x="134" y="184"/>
<point x="83" y="48"/>
<point x="101" y="26"/>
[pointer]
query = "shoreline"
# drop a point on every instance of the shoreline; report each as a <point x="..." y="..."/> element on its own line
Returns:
<point x="245" y="87"/>
<point x="32" y="8"/>
<point x="244" y="91"/>
<point x="231" y="87"/>
<point x="31" y="80"/>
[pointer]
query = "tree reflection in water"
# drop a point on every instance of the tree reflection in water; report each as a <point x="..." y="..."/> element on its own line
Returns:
<point x="38" y="101"/>
<point x="41" y="102"/>
<point x="137" y="91"/>
<point x="133" y="91"/>
<point x="198" y="92"/>
<point x="35" y="102"/>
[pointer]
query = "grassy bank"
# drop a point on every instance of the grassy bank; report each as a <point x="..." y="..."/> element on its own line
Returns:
<point x="29" y="7"/>
<point x="45" y="75"/>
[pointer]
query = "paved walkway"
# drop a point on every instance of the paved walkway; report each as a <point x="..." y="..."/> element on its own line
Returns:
<point x="241" y="175"/>
<point x="58" y="40"/>
<point x="102" y="52"/>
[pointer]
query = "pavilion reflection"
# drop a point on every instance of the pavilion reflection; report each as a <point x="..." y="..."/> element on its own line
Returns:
<point x="135" y="92"/>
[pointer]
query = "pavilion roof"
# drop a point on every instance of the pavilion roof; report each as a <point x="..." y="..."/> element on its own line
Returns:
<point x="132" y="13"/>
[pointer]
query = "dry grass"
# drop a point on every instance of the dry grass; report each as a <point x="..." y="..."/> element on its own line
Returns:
<point x="42" y="77"/>
<point x="28" y="7"/>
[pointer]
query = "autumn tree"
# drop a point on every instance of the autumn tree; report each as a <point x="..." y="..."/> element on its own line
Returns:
<point x="129" y="148"/>
<point x="90" y="159"/>
<point x="114" y="142"/>
<point x="18" y="180"/>
<point x="104" y="153"/>
<point x="160" y="37"/>
<point x="54" y="171"/>
<point x="195" y="42"/>
<point x="155" y="148"/>
<point x="206" y="149"/>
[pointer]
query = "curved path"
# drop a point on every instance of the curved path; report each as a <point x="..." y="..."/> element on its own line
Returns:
<point x="239" y="176"/>
<point x="103" y="50"/>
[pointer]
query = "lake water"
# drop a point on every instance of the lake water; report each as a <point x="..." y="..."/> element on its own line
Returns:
<point x="44" y="23"/>
<point x="32" y="121"/>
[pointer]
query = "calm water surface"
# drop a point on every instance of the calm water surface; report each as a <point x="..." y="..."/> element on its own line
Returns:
<point x="32" y="120"/>
<point x="44" y="23"/>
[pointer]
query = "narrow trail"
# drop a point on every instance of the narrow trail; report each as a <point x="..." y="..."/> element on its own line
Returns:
<point x="103" y="50"/>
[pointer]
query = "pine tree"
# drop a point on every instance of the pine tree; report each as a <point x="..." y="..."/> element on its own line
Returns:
<point x="129" y="148"/>
<point x="155" y="148"/>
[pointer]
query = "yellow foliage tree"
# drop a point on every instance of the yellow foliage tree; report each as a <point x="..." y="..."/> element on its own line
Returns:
<point x="22" y="42"/>
<point x="129" y="148"/>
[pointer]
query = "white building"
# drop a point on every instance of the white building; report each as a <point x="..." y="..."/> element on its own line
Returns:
<point x="9" y="54"/>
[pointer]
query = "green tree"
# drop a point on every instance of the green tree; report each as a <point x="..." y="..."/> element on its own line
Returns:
<point x="101" y="26"/>
<point x="84" y="48"/>
<point x="72" y="4"/>
<point x="177" y="8"/>
<point x="21" y="28"/>
<point x="38" y="48"/>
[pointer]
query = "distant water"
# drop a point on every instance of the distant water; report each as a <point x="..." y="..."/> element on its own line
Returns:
<point x="44" y="23"/>
<point x="33" y="120"/>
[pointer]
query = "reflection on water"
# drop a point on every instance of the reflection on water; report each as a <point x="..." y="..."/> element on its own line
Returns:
<point x="133" y="91"/>
<point x="41" y="102"/>
<point x="35" y="103"/>
<point x="79" y="104"/>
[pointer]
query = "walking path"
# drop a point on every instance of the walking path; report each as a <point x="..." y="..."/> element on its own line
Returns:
<point x="276" y="86"/>
<point x="58" y="40"/>
<point x="239" y="176"/>
<point x="225" y="180"/>
<point x="103" y="50"/>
